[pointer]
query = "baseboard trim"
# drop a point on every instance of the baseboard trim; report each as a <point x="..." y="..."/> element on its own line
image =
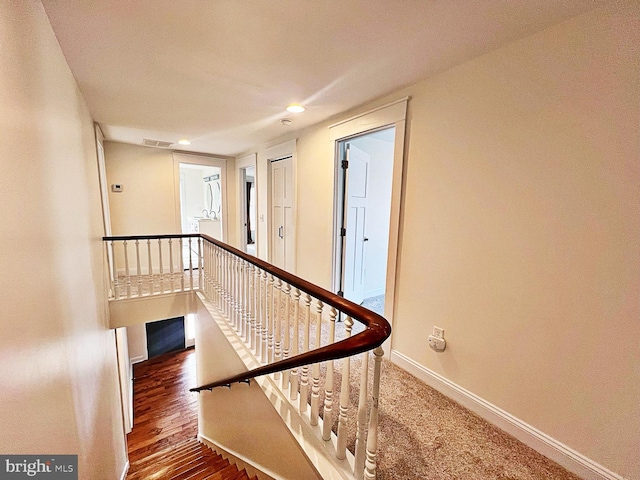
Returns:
<point x="138" y="359"/>
<point x="125" y="471"/>
<point x="551" y="448"/>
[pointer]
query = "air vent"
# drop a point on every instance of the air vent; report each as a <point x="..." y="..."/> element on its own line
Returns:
<point x="156" y="143"/>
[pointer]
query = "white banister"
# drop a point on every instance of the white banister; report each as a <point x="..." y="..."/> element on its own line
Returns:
<point x="341" y="448"/>
<point x="270" y="318"/>
<point x="278" y="317"/>
<point x="315" y="379"/>
<point x="264" y="317"/>
<point x="327" y="416"/>
<point x="149" y="267"/>
<point x="293" y="391"/>
<point x="372" y="434"/>
<point x="361" y="422"/>
<point x="127" y="277"/>
<point x="277" y="305"/>
<point x="286" y="333"/>
<point x="304" y="371"/>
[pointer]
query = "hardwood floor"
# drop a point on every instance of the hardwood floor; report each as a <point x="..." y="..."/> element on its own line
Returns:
<point x="163" y="443"/>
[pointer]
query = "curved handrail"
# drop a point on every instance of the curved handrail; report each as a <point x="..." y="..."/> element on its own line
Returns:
<point x="376" y="331"/>
<point x="377" y="328"/>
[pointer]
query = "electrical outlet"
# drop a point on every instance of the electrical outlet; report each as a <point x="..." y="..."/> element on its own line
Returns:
<point x="438" y="332"/>
<point x="437" y="344"/>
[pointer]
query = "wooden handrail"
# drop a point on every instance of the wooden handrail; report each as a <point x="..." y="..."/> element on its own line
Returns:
<point x="377" y="328"/>
<point x="122" y="238"/>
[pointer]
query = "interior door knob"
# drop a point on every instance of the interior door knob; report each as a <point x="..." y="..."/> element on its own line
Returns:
<point x="365" y="239"/>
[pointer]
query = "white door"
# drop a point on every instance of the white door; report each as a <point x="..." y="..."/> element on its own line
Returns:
<point x="357" y="176"/>
<point x="282" y="231"/>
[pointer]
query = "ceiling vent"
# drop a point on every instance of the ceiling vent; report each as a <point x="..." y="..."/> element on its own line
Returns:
<point x="156" y="143"/>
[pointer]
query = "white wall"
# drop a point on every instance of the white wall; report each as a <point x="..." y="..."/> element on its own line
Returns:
<point x="519" y="229"/>
<point x="58" y="368"/>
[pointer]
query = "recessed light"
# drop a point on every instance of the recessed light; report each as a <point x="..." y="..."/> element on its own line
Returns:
<point x="295" y="108"/>
<point x="184" y="141"/>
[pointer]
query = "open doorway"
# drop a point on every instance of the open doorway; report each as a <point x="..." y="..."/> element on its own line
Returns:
<point x="248" y="209"/>
<point x="365" y="173"/>
<point x="200" y="204"/>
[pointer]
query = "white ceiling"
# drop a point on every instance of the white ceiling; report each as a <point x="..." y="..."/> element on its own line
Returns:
<point x="221" y="72"/>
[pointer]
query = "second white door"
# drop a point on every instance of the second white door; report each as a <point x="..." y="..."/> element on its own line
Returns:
<point x="282" y="232"/>
<point x="356" y="212"/>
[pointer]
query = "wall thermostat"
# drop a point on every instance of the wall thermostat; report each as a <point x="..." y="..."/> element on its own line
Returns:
<point x="116" y="187"/>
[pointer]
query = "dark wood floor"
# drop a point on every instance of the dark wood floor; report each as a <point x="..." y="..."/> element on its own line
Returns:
<point x="163" y="443"/>
<point x="164" y="411"/>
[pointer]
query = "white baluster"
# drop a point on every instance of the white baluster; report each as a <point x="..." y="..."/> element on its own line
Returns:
<point x="216" y="275"/>
<point x="127" y="277"/>
<point x="234" y="292"/>
<point x="181" y="263"/>
<point x="149" y="267"/>
<point x="264" y="318"/>
<point x="116" y="280"/>
<point x="372" y="435"/>
<point x="315" y="379"/>
<point x="304" y="371"/>
<point x="270" y="319"/>
<point x="138" y="269"/>
<point x="237" y="271"/>
<point x="286" y="344"/>
<point x="161" y="266"/>
<point x="277" y="317"/>
<point x="171" y="272"/>
<point x="361" y="424"/>
<point x="247" y="302"/>
<point x="293" y="392"/>
<point x="327" y="417"/>
<point x="207" y="280"/>
<point x="251" y="304"/>
<point x="228" y="285"/>
<point x="190" y="265"/>
<point x="341" y="449"/>
<point x="200" y="264"/>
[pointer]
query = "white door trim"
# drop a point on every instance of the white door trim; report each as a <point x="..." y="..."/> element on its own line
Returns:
<point x="392" y="114"/>
<point x="282" y="150"/>
<point x="219" y="162"/>
<point x="241" y="165"/>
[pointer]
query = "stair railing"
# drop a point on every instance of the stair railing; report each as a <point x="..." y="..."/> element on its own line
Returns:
<point x="304" y="335"/>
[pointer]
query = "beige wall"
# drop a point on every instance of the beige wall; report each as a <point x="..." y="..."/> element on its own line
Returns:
<point x="520" y="229"/>
<point x="147" y="204"/>
<point x="241" y="419"/>
<point x="58" y="370"/>
<point x="150" y="201"/>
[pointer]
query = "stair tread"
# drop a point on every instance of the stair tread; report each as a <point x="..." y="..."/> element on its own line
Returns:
<point x="188" y="460"/>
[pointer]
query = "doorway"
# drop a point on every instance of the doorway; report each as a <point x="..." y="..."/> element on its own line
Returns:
<point x="200" y="204"/>
<point x="248" y="209"/>
<point x="365" y="171"/>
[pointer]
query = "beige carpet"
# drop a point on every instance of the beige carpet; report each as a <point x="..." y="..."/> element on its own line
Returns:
<point x="425" y="435"/>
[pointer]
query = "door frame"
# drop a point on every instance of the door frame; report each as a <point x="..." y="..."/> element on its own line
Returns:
<point x="389" y="115"/>
<point x="242" y="164"/>
<point x="198" y="159"/>
<point x="276" y="152"/>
